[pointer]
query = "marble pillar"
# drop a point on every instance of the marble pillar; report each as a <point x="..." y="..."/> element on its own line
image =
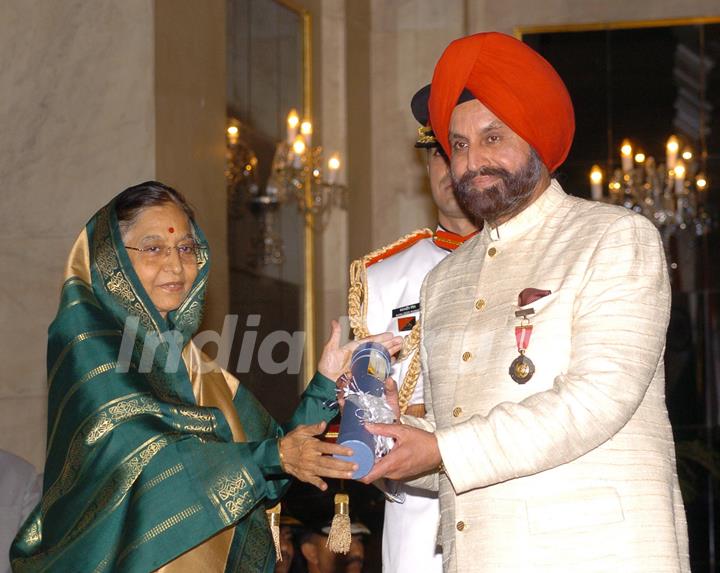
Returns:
<point x="77" y="125"/>
<point x="331" y="104"/>
<point x="392" y="50"/>
<point x="88" y="109"/>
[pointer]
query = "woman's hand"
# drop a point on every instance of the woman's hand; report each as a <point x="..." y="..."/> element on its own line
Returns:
<point x="308" y="458"/>
<point x="335" y="359"/>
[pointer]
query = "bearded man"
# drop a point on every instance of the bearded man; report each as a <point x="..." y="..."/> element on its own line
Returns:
<point x="542" y="346"/>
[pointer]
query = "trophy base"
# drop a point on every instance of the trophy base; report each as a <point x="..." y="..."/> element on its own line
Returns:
<point x="363" y="456"/>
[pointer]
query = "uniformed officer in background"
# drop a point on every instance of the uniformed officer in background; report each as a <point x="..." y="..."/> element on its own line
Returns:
<point x="384" y="296"/>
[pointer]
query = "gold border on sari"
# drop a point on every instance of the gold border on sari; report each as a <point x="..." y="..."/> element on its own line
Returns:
<point x="230" y="494"/>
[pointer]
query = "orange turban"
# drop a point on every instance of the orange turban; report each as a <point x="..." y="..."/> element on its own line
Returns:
<point x="514" y="82"/>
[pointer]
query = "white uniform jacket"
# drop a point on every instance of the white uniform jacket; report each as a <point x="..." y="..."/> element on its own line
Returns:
<point x="393" y="301"/>
<point x="574" y="470"/>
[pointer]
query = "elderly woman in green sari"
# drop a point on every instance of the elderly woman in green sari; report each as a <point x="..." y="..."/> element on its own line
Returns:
<point x="155" y="464"/>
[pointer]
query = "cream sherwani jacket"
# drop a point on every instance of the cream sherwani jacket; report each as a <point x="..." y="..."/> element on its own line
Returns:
<point x="575" y="470"/>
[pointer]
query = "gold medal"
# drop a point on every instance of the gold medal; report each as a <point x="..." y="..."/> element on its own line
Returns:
<point x="521" y="369"/>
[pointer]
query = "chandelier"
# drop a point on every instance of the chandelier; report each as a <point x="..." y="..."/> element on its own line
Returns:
<point x="673" y="194"/>
<point x="298" y="175"/>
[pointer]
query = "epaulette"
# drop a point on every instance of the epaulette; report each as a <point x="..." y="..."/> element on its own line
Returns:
<point x="398" y="246"/>
<point x="357" y="308"/>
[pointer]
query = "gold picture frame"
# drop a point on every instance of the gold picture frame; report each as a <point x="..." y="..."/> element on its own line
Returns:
<point x="519" y="31"/>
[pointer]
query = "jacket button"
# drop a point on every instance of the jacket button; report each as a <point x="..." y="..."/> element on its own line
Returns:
<point x="466" y="356"/>
<point x="457" y="411"/>
<point x="479" y="304"/>
<point x="492" y="251"/>
<point x="460" y="525"/>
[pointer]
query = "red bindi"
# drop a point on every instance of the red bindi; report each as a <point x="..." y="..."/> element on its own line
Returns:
<point x="171" y="229"/>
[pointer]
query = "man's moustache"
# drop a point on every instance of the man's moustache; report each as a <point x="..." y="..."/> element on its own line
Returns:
<point x="483" y="172"/>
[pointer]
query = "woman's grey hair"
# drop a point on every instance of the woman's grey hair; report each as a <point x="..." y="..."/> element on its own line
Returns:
<point x="131" y="202"/>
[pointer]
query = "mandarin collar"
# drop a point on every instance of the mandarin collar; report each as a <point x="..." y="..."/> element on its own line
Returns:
<point x="536" y="212"/>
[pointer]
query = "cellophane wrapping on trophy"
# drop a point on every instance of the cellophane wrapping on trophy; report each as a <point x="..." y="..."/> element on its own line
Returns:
<point x="365" y="402"/>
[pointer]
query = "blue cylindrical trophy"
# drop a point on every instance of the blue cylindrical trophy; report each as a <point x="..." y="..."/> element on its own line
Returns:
<point x="370" y="367"/>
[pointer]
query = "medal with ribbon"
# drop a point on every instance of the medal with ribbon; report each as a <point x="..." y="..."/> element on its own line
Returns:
<point x="522" y="368"/>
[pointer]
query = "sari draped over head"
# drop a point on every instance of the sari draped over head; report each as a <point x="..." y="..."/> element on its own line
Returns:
<point x="153" y="460"/>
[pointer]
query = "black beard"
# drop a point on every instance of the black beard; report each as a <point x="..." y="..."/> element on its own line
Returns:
<point x="502" y="200"/>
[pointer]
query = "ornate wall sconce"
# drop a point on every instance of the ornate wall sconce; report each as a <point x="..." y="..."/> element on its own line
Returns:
<point x="673" y="195"/>
<point x="298" y="174"/>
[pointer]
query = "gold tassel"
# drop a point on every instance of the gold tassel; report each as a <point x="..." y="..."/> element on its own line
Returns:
<point x="339" y="537"/>
<point x="274" y="517"/>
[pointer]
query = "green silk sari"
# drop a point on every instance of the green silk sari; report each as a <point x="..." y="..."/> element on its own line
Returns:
<point x="137" y="473"/>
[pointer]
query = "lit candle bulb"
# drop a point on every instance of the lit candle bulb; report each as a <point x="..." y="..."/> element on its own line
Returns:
<point x="639" y="158"/>
<point x="671" y="152"/>
<point x="306" y="131"/>
<point x="687" y="155"/>
<point x="679" y="177"/>
<point x="292" y="126"/>
<point x="298" y="147"/>
<point x="626" y="156"/>
<point x="333" y="167"/>
<point x="233" y="134"/>
<point x="701" y="182"/>
<point x="596" y="178"/>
